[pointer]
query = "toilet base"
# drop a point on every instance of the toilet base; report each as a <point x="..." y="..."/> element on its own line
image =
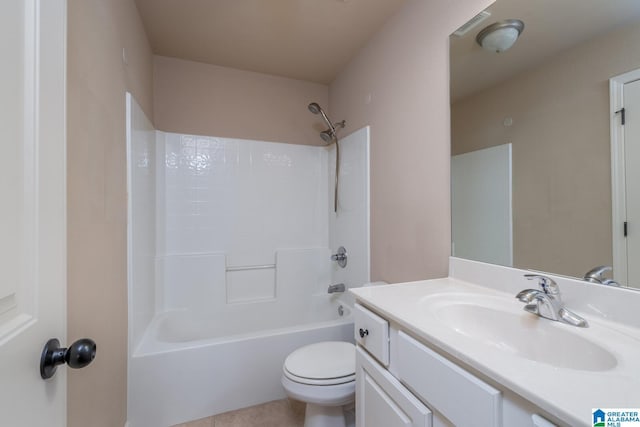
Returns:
<point x="324" y="416"/>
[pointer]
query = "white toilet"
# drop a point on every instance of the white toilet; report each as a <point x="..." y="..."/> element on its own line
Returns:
<point x="323" y="375"/>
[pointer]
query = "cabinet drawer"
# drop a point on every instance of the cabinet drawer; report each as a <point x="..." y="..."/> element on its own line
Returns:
<point x="461" y="397"/>
<point x="372" y="333"/>
<point x="382" y="401"/>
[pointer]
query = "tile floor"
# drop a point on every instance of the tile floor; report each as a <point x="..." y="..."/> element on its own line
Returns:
<point x="279" y="413"/>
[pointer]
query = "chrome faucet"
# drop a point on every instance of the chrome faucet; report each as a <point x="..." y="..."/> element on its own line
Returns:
<point x="340" y="257"/>
<point x="596" y="275"/>
<point x="336" y="288"/>
<point x="547" y="302"/>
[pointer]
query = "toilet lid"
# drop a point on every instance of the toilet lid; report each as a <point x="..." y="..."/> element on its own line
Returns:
<point x="324" y="360"/>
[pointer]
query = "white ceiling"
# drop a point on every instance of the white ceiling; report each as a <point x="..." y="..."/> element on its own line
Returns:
<point x="551" y="26"/>
<point x="303" y="39"/>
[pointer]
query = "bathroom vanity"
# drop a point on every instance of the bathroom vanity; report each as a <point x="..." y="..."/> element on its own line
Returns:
<point x="463" y="352"/>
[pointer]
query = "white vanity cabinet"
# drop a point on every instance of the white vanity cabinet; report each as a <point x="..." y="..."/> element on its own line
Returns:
<point x="400" y="382"/>
<point x="382" y="401"/>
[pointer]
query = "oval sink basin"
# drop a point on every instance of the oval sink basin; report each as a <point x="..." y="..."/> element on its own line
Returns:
<point x="524" y="335"/>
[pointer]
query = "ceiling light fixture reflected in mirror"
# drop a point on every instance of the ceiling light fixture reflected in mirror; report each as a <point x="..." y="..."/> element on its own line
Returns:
<point x="500" y="36"/>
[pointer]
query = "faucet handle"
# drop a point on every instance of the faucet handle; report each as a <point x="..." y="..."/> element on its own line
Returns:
<point x="596" y="275"/>
<point x="548" y="285"/>
<point x="597" y="272"/>
<point x="340" y="257"/>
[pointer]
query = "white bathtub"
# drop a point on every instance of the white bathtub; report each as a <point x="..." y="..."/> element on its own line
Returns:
<point x="190" y="365"/>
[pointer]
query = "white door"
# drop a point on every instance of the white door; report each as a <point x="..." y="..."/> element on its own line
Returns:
<point x="632" y="179"/>
<point x="32" y="209"/>
<point x="481" y="213"/>
<point x="625" y="176"/>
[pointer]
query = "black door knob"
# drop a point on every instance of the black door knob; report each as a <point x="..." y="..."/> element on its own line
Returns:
<point x="78" y="355"/>
<point x="363" y="332"/>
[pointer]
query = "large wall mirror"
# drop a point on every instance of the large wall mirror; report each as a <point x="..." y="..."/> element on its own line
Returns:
<point x="533" y="184"/>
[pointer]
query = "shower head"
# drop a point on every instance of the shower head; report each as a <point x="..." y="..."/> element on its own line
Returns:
<point x="327" y="135"/>
<point x="314" y="108"/>
<point x="330" y="134"/>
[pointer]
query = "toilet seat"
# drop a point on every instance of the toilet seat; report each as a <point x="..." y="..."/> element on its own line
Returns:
<point x="326" y="381"/>
<point x="324" y="363"/>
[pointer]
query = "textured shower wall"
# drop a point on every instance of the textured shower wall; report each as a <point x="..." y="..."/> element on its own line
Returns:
<point x="226" y="204"/>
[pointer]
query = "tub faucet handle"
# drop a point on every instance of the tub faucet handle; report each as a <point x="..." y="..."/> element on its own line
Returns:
<point x="340" y="257"/>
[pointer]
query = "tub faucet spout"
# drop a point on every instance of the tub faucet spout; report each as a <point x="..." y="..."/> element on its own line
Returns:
<point x="336" y="288"/>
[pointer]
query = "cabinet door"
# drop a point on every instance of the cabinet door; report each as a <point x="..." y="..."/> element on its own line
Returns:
<point x="382" y="401"/>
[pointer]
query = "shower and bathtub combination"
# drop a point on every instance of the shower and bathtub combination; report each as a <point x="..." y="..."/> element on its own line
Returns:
<point x="230" y="245"/>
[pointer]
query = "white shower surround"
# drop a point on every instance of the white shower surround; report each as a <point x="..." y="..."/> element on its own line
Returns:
<point x="202" y="209"/>
<point x="238" y="220"/>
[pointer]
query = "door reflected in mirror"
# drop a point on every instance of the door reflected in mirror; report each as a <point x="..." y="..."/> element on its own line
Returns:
<point x="548" y="99"/>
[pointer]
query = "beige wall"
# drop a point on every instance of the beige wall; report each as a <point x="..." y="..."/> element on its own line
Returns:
<point x="203" y="99"/>
<point x="399" y="84"/>
<point x="97" y="285"/>
<point x="561" y="151"/>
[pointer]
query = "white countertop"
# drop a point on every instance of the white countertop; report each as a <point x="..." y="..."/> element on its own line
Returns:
<point x="567" y="393"/>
